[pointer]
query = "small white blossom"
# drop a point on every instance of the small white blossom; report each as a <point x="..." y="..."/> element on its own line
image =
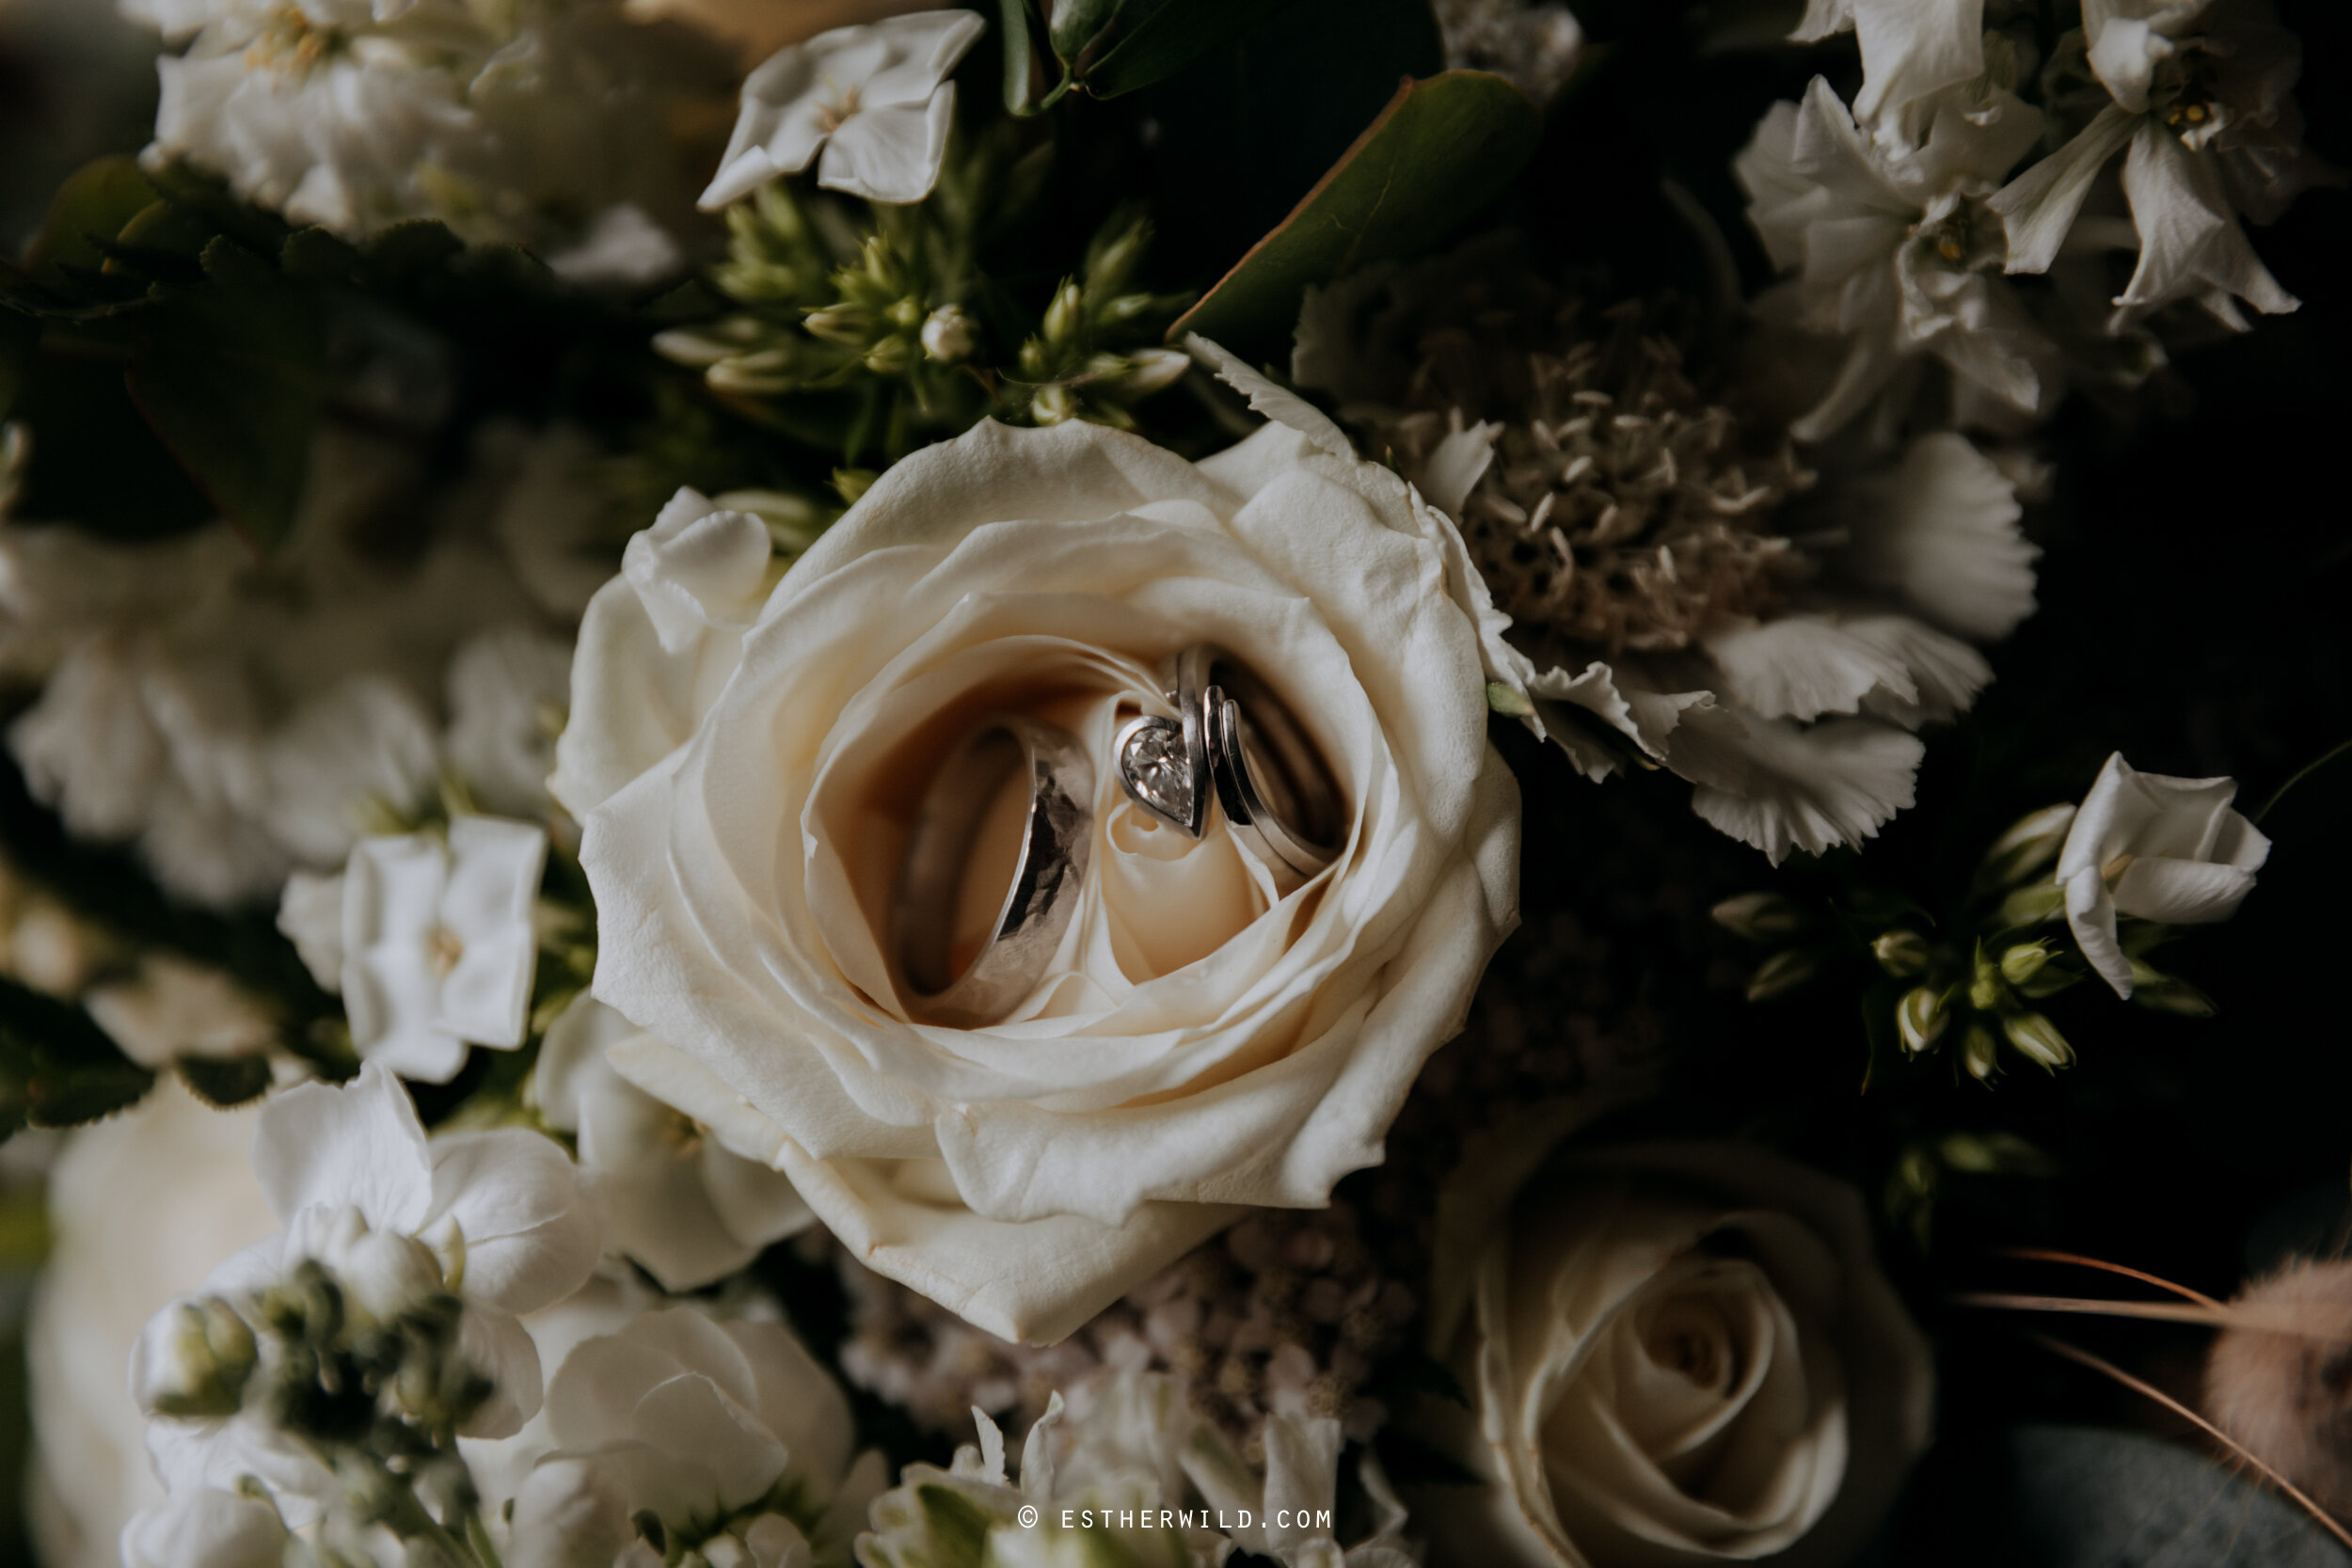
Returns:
<point x="439" y="948"/>
<point x="875" y="99"/>
<point x="206" y="1528"/>
<point x="731" y="1436"/>
<point x="2154" y="847"/>
<point x="498" y="1218"/>
<point x="687" y="1208"/>
<point x="1894" y="249"/>
<point x="1910" y="51"/>
<point x="2201" y="106"/>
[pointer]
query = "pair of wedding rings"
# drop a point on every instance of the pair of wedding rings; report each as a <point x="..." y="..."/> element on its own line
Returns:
<point x="1232" y="740"/>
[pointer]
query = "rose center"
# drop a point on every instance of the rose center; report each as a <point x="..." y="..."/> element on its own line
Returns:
<point x="1687" y="1334"/>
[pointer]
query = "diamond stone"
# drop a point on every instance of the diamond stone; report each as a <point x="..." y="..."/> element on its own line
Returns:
<point x="1157" y="768"/>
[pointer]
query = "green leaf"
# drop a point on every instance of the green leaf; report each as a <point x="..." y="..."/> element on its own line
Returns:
<point x="88" y="210"/>
<point x="58" y="1068"/>
<point x="225" y="1081"/>
<point x="1155" y="38"/>
<point x="229" y="377"/>
<point x="418" y="245"/>
<point x="1443" y="149"/>
<point x="316" y="255"/>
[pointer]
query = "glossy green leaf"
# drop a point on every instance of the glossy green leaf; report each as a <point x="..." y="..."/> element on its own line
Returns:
<point x="229" y="377"/>
<point x="89" y="211"/>
<point x="1443" y="149"/>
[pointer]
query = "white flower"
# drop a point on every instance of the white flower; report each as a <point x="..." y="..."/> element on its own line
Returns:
<point x="875" y="98"/>
<point x="439" y="948"/>
<point x="236" y="716"/>
<point x="507" y="690"/>
<point x="730" y="1435"/>
<point x="311" y="915"/>
<point x="1536" y="44"/>
<point x="1910" y="51"/>
<point x="1210" y="1037"/>
<point x="141" y="1207"/>
<point x="206" y="1528"/>
<point x="535" y="130"/>
<point x="1894" y="249"/>
<point x="2202" y="98"/>
<point x="170" y="1007"/>
<point x="1127" y="1475"/>
<point x="1681" y="1354"/>
<point x="2154" y="847"/>
<point x="676" y="1201"/>
<point x="499" y="1218"/>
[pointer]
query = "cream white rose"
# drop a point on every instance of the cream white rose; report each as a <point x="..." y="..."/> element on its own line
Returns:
<point x="1678" y="1354"/>
<point x="1206" y="1038"/>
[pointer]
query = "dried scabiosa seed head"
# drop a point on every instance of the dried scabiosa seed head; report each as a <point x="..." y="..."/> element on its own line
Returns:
<point x="1623" y="509"/>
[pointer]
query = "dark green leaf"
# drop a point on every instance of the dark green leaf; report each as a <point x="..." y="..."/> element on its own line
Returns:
<point x="79" y="1096"/>
<point x="226" y="261"/>
<point x="1441" y="150"/>
<point x="94" y="459"/>
<point x="418" y="245"/>
<point x="58" y="1068"/>
<point x="223" y="1082"/>
<point x="229" y="376"/>
<point x="88" y="210"/>
<point x="58" y="1031"/>
<point x="314" y="254"/>
<point x="1155" y="38"/>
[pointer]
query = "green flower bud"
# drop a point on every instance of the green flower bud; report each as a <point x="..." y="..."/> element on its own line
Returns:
<point x="202" y="1363"/>
<point x="846" y="325"/>
<point x="1150" y="368"/>
<point x="1760" y="917"/>
<point x="1981" y="1053"/>
<point x="2032" y="842"/>
<point x="1921" y="1018"/>
<point x="2022" y="962"/>
<point x="1065" y="315"/>
<point x="1781" y="973"/>
<point x="1902" y="953"/>
<point x="1053" y="404"/>
<point x="2160" y="992"/>
<point x="893" y="356"/>
<point x="2038" y="1040"/>
<point x="1986" y="991"/>
<point x="849" y="484"/>
<point x="2033" y="904"/>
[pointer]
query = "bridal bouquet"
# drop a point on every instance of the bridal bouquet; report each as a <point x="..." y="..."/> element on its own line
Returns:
<point x="802" y="783"/>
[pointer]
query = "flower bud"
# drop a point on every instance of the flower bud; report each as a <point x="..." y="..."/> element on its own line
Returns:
<point x="1981" y="1053"/>
<point x="1151" y="369"/>
<point x="1986" y="989"/>
<point x="2032" y="904"/>
<point x="1902" y="953"/>
<point x="2038" y="1039"/>
<point x="2022" y="962"/>
<point x="1759" y="917"/>
<point x="2160" y="992"/>
<point x="2032" y="842"/>
<point x="1053" y="404"/>
<point x="1781" y="973"/>
<point x="891" y="356"/>
<point x="948" y="335"/>
<point x="840" y="324"/>
<point x="193" y="1358"/>
<point x="1063" y="316"/>
<point x="849" y="484"/>
<point x="1921" y="1018"/>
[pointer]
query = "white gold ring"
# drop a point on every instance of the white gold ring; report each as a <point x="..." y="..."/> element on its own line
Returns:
<point x="1235" y="737"/>
<point x="959" y="969"/>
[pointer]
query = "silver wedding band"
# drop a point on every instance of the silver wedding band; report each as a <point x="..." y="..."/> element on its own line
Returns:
<point x="1235" y="737"/>
<point x="1057" y="840"/>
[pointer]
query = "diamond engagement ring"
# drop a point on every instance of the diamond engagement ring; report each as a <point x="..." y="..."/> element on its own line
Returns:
<point x="992" y="870"/>
<point x="1233" y="737"/>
